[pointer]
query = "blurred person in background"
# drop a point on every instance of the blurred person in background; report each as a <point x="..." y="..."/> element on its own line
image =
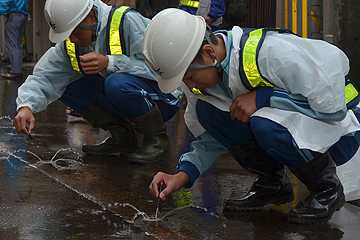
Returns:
<point x="16" y="14"/>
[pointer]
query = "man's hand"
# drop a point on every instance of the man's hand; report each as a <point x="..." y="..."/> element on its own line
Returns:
<point x="243" y="107"/>
<point x="208" y="21"/>
<point x="93" y="63"/>
<point x="24" y="115"/>
<point x="172" y="183"/>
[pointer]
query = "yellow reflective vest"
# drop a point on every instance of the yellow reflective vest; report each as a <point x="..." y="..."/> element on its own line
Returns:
<point x="250" y="44"/>
<point x="189" y="3"/>
<point x="114" y="38"/>
<point x="250" y="75"/>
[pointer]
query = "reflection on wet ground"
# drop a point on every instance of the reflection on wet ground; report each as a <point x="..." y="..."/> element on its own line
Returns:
<point x="50" y="190"/>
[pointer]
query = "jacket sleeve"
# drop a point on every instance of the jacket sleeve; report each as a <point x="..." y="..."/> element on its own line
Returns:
<point x="133" y="28"/>
<point x="314" y="69"/>
<point x="52" y="73"/>
<point x="4" y="7"/>
<point x="203" y="153"/>
<point x="217" y="9"/>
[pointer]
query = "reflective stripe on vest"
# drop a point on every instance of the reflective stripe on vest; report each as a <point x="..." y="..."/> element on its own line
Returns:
<point x="249" y="71"/>
<point x="114" y="40"/>
<point x="189" y="3"/>
<point x="71" y="52"/>
<point x="196" y="91"/>
<point x="250" y="45"/>
<point x="350" y="92"/>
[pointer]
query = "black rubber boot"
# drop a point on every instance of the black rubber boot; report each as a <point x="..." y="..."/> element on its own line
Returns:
<point x="326" y="191"/>
<point x="123" y="137"/>
<point x="272" y="184"/>
<point x="156" y="141"/>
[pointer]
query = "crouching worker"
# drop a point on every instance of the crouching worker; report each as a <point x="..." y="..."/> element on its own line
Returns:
<point x="267" y="96"/>
<point x="96" y="68"/>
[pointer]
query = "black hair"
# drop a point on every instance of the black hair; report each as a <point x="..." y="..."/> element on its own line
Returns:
<point x="214" y="41"/>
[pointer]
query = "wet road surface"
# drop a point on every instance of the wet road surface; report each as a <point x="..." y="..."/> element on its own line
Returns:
<point x="50" y="190"/>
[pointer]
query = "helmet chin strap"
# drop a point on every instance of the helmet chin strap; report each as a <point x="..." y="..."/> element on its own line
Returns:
<point x="218" y="66"/>
<point x="214" y="64"/>
<point x="92" y="26"/>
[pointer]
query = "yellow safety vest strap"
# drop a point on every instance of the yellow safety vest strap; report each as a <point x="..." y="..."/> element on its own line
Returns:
<point x="71" y="52"/>
<point x="350" y="92"/>
<point x="250" y="67"/>
<point x="196" y="91"/>
<point x="114" y="35"/>
<point x="189" y="3"/>
<point x="114" y="39"/>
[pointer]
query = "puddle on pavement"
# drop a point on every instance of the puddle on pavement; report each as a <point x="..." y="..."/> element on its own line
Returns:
<point x="48" y="153"/>
<point x="68" y="159"/>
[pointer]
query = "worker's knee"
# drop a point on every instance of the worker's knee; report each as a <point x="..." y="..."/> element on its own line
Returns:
<point x="117" y="87"/>
<point x="268" y="133"/>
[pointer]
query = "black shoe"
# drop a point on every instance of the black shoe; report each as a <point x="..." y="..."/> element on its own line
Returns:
<point x="123" y="136"/>
<point x="326" y="191"/>
<point x="263" y="191"/>
<point x="109" y="146"/>
<point x="11" y="75"/>
<point x="71" y="112"/>
<point x="272" y="185"/>
<point x="156" y="143"/>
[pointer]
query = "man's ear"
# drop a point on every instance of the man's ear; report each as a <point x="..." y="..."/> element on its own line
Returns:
<point x="92" y="17"/>
<point x="209" y="50"/>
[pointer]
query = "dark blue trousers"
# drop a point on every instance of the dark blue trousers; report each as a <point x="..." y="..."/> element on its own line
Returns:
<point x="15" y="24"/>
<point x="272" y="137"/>
<point x="121" y="94"/>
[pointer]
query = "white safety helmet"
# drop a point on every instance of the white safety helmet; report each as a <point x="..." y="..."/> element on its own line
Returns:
<point x="171" y="41"/>
<point x="64" y="15"/>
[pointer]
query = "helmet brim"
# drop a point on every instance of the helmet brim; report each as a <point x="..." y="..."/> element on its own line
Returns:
<point x="170" y="85"/>
<point x="59" y="37"/>
<point x="60" y="34"/>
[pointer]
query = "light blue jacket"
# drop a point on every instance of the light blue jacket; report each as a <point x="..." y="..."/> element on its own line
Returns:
<point x="54" y="71"/>
<point x="11" y="6"/>
<point x="206" y="150"/>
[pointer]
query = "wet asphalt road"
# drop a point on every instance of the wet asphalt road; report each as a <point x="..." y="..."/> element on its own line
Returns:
<point x="50" y="190"/>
